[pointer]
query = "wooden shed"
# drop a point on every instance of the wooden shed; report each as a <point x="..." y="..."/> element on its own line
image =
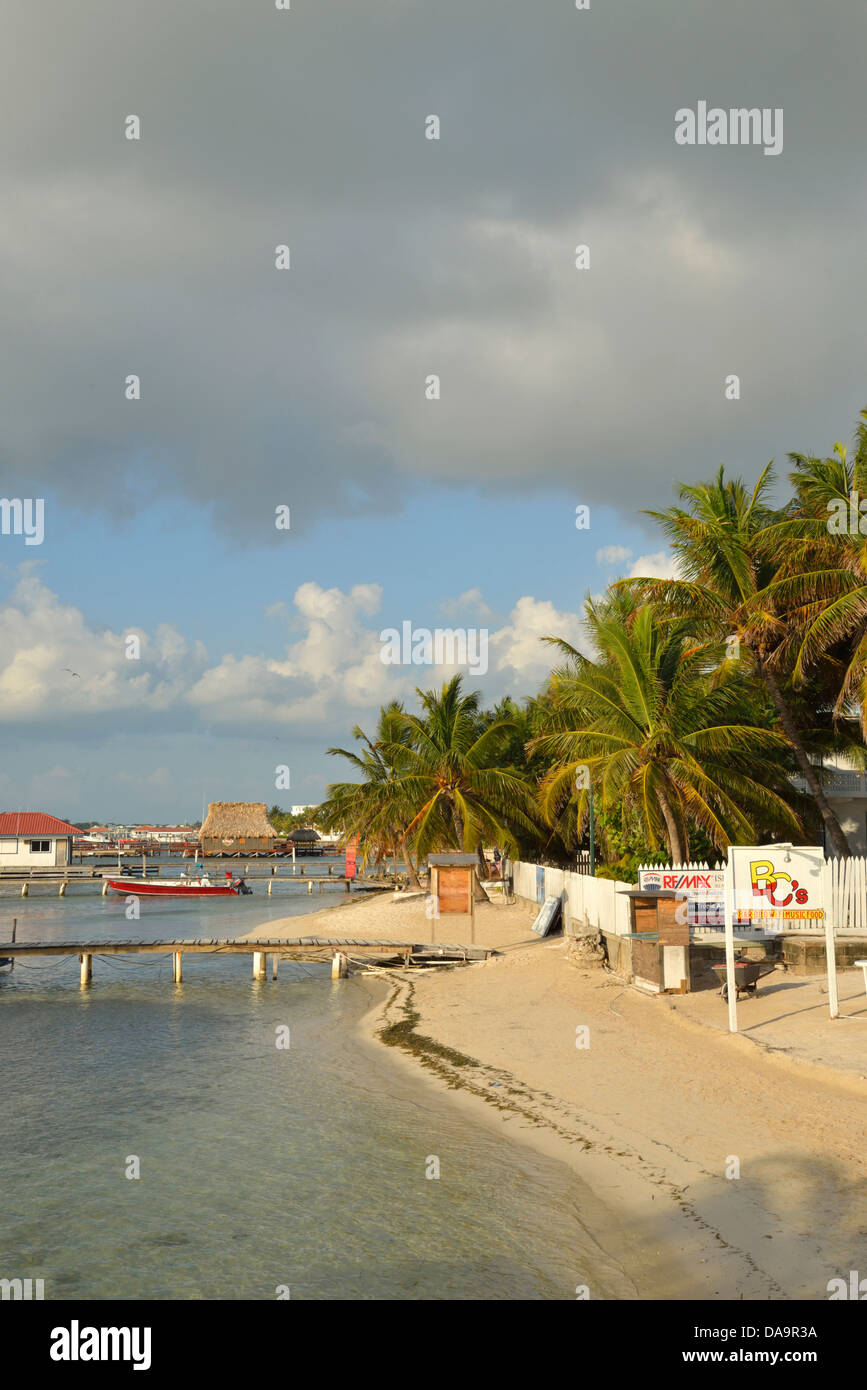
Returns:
<point x="660" y="939"/>
<point x="452" y="881"/>
<point x="237" y="827"/>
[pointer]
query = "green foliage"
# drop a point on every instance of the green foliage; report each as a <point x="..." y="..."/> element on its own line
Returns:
<point x="702" y="697"/>
<point x="651" y="722"/>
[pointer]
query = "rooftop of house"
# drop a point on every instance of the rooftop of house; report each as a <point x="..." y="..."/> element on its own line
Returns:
<point x="35" y="823"/>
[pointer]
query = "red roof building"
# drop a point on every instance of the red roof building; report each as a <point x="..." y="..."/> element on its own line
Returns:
<point x="35" y="823"/>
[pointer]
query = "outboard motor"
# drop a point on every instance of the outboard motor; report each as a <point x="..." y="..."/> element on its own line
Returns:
<point x="241" y="885"/>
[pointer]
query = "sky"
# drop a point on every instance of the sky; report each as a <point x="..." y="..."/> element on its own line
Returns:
<point x="308" y="387"/>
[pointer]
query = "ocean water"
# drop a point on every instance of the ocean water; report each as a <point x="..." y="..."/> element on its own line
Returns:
<point x="262" y="1169"/>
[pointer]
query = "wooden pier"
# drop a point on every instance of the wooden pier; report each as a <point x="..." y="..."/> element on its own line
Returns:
<point x="342" y="953"/>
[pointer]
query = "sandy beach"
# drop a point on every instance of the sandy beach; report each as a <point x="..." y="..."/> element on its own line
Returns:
<point x="713" y="1166"/>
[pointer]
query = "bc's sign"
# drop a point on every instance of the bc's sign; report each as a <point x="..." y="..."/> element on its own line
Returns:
<point x="776" y="884"/>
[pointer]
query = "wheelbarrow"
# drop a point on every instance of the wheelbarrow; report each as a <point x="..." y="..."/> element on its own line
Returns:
<point x="747" y="975"/>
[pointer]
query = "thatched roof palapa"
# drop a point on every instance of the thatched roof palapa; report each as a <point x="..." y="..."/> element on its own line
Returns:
<point x="235" y="820"/>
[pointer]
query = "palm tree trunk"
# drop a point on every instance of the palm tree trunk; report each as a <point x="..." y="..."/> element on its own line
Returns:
<point x="676" y="846"/>
<point x="832" y="824"/>
<point x="481" y="873"/>
<point x="411" y="873"/>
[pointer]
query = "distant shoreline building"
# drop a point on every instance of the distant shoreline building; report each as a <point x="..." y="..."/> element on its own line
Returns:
<point x="35" y="839"/>
<point x="237" y="827"/>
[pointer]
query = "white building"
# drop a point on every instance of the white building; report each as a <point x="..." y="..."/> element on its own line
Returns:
<point x="32" y="839"/>
<point x="846" y="790"/>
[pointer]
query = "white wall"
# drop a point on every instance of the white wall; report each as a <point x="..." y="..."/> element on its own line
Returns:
<point x="14" y="852"/>
<point x="587" y="901"/>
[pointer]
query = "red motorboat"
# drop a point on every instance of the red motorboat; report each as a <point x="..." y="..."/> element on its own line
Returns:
<point x="194" y="885"/>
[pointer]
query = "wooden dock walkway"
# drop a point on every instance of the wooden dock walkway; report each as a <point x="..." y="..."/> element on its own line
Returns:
<point x="342" y="952"/>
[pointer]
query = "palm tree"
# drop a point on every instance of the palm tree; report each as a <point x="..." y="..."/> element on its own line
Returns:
<point x="376" y="808"/>
<point x="660" y="734"/>
<point x="455" y="777"/>
<point x="726" y="542"/>
<point x="822" y="583"/>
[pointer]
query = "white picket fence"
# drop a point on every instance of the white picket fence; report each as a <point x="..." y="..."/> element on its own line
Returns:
<point x="849" y="893"/>
<point x="667" y="868"/>
<point x="587" y="902"/>
<point x="596" y="902"/>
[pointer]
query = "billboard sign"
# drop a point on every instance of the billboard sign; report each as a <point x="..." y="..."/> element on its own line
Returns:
<point x="777" y="885"/>
<point x="694" y="883"/>
<point x="703" y="890"/>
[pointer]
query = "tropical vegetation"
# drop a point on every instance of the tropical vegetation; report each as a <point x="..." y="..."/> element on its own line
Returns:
<point x="696" y="712"/>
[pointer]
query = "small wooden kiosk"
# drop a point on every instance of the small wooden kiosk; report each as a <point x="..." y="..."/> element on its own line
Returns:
<point x="660" y="939"/>
<point x="451" y="881"/>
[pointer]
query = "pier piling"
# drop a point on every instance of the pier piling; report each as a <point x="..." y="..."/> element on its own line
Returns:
<point x="177" y="970"/>
<point x="339" y="966"/>
<point x="258" y="965"/>
<point x="86" y="969"/>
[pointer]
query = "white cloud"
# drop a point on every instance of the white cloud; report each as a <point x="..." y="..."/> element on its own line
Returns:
<point x="330" y="670"/>
<point x="470" y="601"/>
<point x="613" y="554"/>
<point x="53" y="665"/>
<point x="660" y="565"/>
<point x="517" y="648"/>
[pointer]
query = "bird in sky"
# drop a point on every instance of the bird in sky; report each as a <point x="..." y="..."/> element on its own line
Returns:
<point x="72" y="673"/>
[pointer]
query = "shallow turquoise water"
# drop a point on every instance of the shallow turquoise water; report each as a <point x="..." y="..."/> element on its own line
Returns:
<point x="260" y="1167"/>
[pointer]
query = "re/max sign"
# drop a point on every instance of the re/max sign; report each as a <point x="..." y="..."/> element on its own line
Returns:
<point x="709" y="884"/>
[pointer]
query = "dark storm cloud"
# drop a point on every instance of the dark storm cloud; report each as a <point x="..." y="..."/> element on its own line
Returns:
<point x="412" y="257"/>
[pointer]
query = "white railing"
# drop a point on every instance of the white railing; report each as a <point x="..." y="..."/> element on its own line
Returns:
<point x="837" y="783"/>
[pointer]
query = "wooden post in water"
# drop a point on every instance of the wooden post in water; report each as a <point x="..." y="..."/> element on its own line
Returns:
<point x="62" y="893"/>
<point x="86" y="969"/>
<point x="309" y="887"/>
<point x="339" y="966"/>
<point x="274" y="960"/>
<point x="177" y="971"/>
<point x="258" y="965"/>
<point x="104" y="886"/>
<point x="270" y="886"/>
<point x="25" y="890"/>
